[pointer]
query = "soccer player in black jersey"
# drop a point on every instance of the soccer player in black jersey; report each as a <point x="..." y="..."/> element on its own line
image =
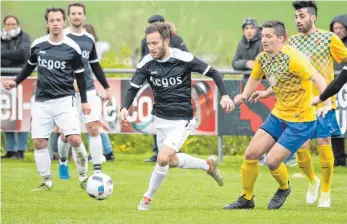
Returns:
<point x="59" y="63"/>
<point x="168" y="71"/>
<point x="76" y="14"/>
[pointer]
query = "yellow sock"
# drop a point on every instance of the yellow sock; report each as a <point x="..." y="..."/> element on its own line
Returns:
<point x="249" y="174"/>
<point x="281" y="176"/>
<point x="327" y="166"/>
<point x="304" y="160"/>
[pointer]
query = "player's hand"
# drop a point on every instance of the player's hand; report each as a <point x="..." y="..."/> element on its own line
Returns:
<point x="108" y="97"/>
<point x="316" y="100"/>
<point x="86" y="108"/>
<point x="323" y="111"/>
<point x="239" y="99"/>
<point x="227" y="104"/>
<point x="258" y="95"/>
<point x="9" y="84"/>
<point x="123" y="117"/>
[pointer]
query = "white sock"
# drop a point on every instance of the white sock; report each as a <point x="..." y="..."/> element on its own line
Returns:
<point x="43" y="162"/>
<point x="157" y="177"/>
<point x="95" y="148"/>
<point x="189" y="162"/>
<point x="80" y="157"/>
<point x="75" y="159"/>
<point x="63" y="150"/>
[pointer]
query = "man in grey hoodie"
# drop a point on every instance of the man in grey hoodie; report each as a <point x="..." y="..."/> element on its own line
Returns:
<point x="339" y="26"/>
<point x="249" y="46"/>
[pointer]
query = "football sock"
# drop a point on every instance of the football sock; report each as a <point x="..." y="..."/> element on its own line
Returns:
<point x="327" y="166"/>
<point x="249" y="174"/>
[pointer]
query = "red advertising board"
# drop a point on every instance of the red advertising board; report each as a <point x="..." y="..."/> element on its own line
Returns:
<point x="15" y="107"/>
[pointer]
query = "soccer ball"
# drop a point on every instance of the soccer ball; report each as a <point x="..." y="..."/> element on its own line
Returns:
<point x="99" y="186"/>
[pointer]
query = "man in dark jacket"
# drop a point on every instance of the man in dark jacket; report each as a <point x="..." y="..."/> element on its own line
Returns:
<point x="249" y="47"/>
<point x="176" y="41"/>
<point x="339" y="27"/>
<point x="15" y="47"/>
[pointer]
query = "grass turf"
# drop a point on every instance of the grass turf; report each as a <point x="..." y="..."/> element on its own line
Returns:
<point x="186" y="196"/>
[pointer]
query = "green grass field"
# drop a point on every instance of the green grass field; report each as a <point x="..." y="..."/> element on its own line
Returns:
<point x="186" y="196"/>
<point x="211" y="29"/>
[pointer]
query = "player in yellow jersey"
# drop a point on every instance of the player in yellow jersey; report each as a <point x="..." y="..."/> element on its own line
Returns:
<point x="321" y="48"/>
<point x="292" y="121"/>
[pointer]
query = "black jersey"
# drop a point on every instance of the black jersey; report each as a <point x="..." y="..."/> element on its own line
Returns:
<point x="87" y="44"/>
<point x="57" y="64"/>
<point x="170" y="80"/>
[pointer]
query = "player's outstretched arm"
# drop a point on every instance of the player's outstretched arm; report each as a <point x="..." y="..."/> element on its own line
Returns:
<point x="24" y="73"/>
<point x="261" y="95"/>
<point x="250" y="88"/>
<point x="321" y="84"/>
<point x="226" y="103"/>
<point x="128" y="100"/>
<point x="335" y="86"/>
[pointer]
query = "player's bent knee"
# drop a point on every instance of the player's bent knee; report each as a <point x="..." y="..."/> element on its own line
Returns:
<point x="93" y="128"/>
<point x="74" y="140"/>
<point x="272" y="163"/>
<point x="163" y="159"/>
<point x="251" y="155"/>
<point x="40" y="143"/>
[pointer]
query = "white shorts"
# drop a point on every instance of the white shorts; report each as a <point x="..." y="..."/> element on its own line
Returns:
<point x="172" y="133"/>
<point x="61" y="112"/>
<point x="95" y="104"/>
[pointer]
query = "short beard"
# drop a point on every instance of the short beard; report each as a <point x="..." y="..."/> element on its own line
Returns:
<point x="77" y="26"/>
<point x="161" y="53"/>
<point x="305" y="29"/>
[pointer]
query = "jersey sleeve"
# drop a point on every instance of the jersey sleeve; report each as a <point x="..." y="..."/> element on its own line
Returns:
<point x="337" y="49"/>
<point x="77" y="63"/>
<point x="257" y="71"/>
<point x="196" y="65"/>
<point x="32" y="60"/>
<point x="93" y="56"/>
<point x="300" y="66"/>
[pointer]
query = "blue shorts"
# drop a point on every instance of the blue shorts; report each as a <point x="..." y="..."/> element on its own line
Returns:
<point x="291" y="135"/>
<point x="327" y="126"/>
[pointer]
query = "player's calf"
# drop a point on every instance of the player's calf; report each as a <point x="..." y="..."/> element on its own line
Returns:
<point x="95" y="145"/>
<point x="43" y="163"/>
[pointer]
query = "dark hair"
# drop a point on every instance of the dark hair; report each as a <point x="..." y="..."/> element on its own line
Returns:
<point x="11" y="16"/>
<point x="90" y="29"/>
<point x="311" y="6"/>
<point x="54" y="10"/>
<point x="77" y="4"/>
<point x="278" y="26"/>
<point x="162" y="28"/>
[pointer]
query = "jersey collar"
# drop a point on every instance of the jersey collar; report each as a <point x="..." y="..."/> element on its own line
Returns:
<point x="67" y="30"/>
<point x="56" y="43"/>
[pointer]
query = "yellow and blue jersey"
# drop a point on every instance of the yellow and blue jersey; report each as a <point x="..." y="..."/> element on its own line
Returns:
<point x="321" y="48"/>
<point x="289" y="74"/>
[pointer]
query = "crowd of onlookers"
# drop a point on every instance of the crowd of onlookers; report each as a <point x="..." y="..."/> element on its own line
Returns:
<point x="15" y="47"/>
